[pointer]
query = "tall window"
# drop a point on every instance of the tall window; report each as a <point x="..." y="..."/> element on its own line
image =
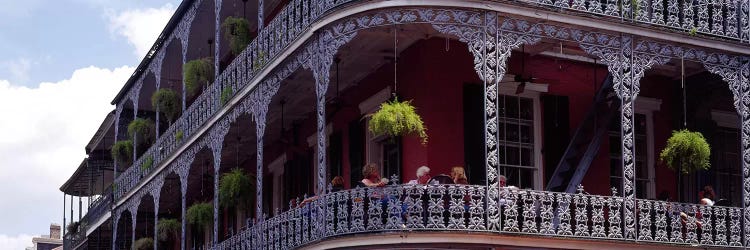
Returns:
<point x="516" y="140"/>
<point x="728" y="182"/>
<point x="642" y="179"/>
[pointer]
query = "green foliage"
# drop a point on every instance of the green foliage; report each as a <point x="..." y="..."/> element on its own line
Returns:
<point x="235" y="189"/>
<point x="147" y="163"/>
<point x="142" y="131"/>
<point x="259" y="60"/>
<point x="237" y="31"/>
<point x="144" y="244"/>
<point x="168" y="229"/>
<point x="693" y="31"/>
<point x="197" y="73"/>
<point x="687" y="148"/>
<point x="397" y="119"/>
<point x="122" y="152"/>
<point x="200" y="214"/>
<point x="226" y="94"/>
<point x="167" y="101"/>
<point x="178" y="135"/>
<point x="73" y="227"/>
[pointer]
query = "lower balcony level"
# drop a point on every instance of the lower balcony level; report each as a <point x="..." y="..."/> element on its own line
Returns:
<point x="292" y="132"/>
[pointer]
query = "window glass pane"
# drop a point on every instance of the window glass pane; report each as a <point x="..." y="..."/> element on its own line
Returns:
<point x="527" y="110"/>
<point x="511" y="106"/>
<point x="516" y="140"/>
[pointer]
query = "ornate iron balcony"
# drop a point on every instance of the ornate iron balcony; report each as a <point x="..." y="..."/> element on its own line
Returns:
<point x="464" y="208"/>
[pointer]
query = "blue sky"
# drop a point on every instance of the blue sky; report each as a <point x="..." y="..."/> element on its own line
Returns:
<point x="47" y="40"/>
<point x="61" y="63"/>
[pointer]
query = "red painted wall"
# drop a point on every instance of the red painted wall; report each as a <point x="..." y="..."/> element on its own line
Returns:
<point x="433" y="79"/>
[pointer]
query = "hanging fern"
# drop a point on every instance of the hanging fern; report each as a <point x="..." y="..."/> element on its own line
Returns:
<point x="167" y="101"/>
<point x="226" y="94"/>
<point x="143" y="244"/>
<point x="237" y="31"/>
<point x="200" y="214"/>
<point x="197" y="73"/>
<point x="397" y="119"/>
<point x="687" y="148"/>
<point x="73" y="227"/>
<point x="142" y="131"/>
<point x="168" y="229"/>
<point x="122" y="152"/>
<point x="235" y="189"/>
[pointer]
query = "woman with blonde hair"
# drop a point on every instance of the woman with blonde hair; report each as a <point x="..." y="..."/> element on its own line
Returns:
<point x="458" y="175"/>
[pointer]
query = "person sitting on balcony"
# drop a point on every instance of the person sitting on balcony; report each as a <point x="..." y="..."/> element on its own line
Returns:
<point x="707" y="196"/>
<point x="423" y="176"/>
<point x="372" y="176"/>
<point x="458" y="175"/>
<point x="505" y="191"/>
<point x="337" y="184"/>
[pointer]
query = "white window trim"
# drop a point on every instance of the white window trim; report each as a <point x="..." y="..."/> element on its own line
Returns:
<point x="372" y="143"/>
<point x="531" y="91"/>
<point x="647" y="106"/>
<point x="276" y="169"/>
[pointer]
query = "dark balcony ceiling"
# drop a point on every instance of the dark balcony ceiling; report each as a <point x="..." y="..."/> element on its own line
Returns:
<point x="104" y="136"/>
<point x="88" y="178"/>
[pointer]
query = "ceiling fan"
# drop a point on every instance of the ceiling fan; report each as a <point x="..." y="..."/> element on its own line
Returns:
<point x="522" y="78"/>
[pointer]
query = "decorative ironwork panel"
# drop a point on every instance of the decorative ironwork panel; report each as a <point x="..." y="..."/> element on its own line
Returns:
<point x="456" y="207"/>
<point x="581" y="214"/>
<point x="528" y="212"/>
<point x="358" y="212"/>
<point x="563" y="211"/>
<point x="435" y="206"/>
<point x="644" y="216"/>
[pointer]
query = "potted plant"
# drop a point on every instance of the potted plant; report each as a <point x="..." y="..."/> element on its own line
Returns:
<point x="237" y="31"/>
<point x="143" y="244"/>
<point x="235" y="191"/>
<point x="396" y="118"/>
<point x="122" y="152"/>
<point x="168" y="230"/>
<point x="686" y="152"/>
<point x="200" y="215"/>
<point x="167" y="101"/>
<point x="197" y="73"/>
<point x="141" y="131"/>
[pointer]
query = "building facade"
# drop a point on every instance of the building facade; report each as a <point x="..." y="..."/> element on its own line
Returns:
<point x="571" y="101"/>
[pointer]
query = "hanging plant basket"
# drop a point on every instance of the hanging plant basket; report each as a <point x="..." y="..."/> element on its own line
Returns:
<point x="197" y="73"/>
<point x="397" y="118"/>
<point x="168" y="229"/>
<point x="142" y="132"/>
<point x="167" y="101"/>
<point x="200" y="214"/>
<point x="122" y="152"/>
<point x="237" y="31"/>
<point x="73" y="227"/>
<point x="688" y="149"/>
<point x="147" y="164"/>
<point x="235" y="189"/>
<point x="143" y="244"/>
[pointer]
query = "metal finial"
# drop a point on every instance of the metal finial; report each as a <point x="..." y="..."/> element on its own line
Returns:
<point x="580" y="188"/>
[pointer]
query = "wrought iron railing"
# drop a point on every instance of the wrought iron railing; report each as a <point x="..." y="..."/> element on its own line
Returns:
<point x="720" y="18"/>
<point x="723" y="18"/>
<point x="414" y="208"/>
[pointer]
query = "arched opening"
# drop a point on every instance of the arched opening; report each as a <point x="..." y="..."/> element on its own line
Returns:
<point x="199" y="199"/>
<point x="201" y="46"/>
<point x="171" y="76"/>
<point x="170" y="213"/>
<point x="124" y="231"/>
<point x="241" y="9"/>
<point x="144" y="226"/>
<point x="238" y="159"/>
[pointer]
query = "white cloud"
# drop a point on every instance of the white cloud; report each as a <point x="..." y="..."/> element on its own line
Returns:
<point x="18" y="69"/>
<point x="15" y="242"/>
<point x="42" y="137"/>
<point x="141" y="27"/>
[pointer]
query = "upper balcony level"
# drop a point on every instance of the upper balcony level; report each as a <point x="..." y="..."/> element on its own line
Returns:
<point x="719" y="26"/>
